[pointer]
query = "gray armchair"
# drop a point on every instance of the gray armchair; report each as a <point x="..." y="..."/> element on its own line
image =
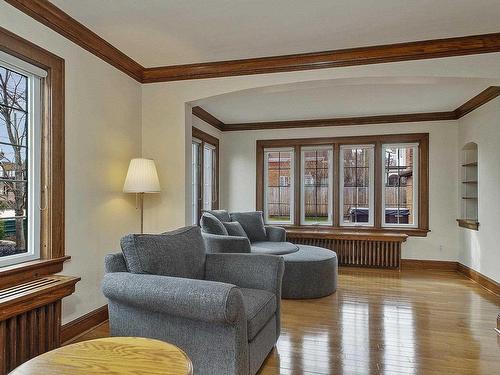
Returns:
<point x="225" y="315"/>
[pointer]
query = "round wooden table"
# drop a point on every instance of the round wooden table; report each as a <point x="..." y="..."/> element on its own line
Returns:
<point x="112" y="355"/>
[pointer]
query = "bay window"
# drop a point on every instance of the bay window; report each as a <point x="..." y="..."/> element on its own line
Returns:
<point x="316" y="185"/>
<point x="279" y="185"/>
<point x="356" y="185"/>
<point x="366" y="183"/>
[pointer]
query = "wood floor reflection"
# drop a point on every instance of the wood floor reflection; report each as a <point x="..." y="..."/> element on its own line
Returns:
<point x="388" y="322"/>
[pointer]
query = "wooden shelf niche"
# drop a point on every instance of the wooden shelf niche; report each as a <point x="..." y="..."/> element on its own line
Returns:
<point x="469" y="187"/>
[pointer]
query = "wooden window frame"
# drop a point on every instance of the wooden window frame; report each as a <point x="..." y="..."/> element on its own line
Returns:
<point x="213" y="141"/>
<point x="377" y="140"/>
<point x="52" y="248"/>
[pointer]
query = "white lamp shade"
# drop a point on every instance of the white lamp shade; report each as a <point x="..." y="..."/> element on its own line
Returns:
<point x="141" y="177"/>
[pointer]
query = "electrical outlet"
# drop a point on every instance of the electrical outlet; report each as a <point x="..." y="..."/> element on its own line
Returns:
<point x="441" y="248"/>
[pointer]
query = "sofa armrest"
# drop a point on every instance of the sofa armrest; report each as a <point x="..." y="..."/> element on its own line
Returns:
<point x="256" y="271"/>
<point x="202" y="300"/>
<point x="226" y="244"/>
<point x="275" y="234"/>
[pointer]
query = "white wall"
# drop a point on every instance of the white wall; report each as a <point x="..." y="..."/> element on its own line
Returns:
<point x="103" y="131"/>
<point x="166" y="118"/>
<point x="480" y="249"/>
<point x="238" y="184"/>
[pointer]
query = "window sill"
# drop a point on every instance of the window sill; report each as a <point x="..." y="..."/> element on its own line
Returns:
<point x="469" y="224"/>
<point x="18" y="273"/>
<point x="366" y="231"/>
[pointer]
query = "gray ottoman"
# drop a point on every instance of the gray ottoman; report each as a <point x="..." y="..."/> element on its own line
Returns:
<point x="310" y="272"/>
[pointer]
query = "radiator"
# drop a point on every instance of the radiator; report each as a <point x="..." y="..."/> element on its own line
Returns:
<point x="357" y="252"/>
<point x="30" y="319"/>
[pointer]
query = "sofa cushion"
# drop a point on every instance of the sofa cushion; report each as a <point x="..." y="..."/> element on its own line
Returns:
<point x="235" y="229"/>
<point x="252" y="223"/>
<point x="273" y="248"/>
<point x="210" y="224"/>
<point x="180" y="253"/>
<point x="222" y="215"/>
<point x="260" y="306"/>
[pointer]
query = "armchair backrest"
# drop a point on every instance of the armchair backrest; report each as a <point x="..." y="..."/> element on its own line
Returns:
<point x="179" y="253"/>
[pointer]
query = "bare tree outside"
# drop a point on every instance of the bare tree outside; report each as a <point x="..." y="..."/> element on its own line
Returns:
<point x="13" y="159"/>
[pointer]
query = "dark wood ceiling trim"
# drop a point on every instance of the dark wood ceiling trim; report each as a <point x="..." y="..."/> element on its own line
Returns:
<point x="482" y="98"/>
<point x="51" y="16"/>
<point x="208" y="118"/>
<point x="428" y="49"/>
<point x="343" y="121"/>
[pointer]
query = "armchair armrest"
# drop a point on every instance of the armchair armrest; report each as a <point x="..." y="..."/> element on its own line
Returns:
<point x="275" y="234"/>
<point x="202" y="300"/>
<point x="226" y="244"/>
<point x="256" y="271"/>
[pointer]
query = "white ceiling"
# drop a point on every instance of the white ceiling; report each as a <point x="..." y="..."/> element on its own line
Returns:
<point x="343" y="98"/>
<point x="167" y="32"/>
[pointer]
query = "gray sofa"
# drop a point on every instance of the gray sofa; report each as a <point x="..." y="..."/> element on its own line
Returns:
<point x="255" y="237"/>
<point x="310" y="271"/>
<point x="212" y="306"/>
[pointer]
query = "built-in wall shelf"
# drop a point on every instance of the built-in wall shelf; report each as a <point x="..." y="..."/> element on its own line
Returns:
<point x="469" y="224"/>
<point x="469" y="187"/>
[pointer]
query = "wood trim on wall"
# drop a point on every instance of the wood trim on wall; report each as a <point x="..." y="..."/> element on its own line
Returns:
<point x="52" y="246"/>
<point x="479" y="278"/>
<point x="441" y="265"/>
<point x="427" y="49"/>
<point x="207" y="117"/>
<point x="84" y="323"/>
<point x="477" y="101"/>
<point x="377" y="140"/>
<point x="59" y="21"/>
<point x="51" y="16"/>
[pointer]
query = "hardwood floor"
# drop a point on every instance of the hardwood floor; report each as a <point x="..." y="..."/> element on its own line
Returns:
<point x="387" y="322"/>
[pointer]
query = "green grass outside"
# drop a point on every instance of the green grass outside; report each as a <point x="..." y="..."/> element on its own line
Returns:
<point x="322" y="219"/>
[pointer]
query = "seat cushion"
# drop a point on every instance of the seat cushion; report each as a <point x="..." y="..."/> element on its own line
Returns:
<point x="260" y="306"/>
<point x="234" y="229"/>
<point x="252" y="223"/>
<point x="180" y="253"/>
<point x="211" y="225"/>
<point x="274" y="248"/>
<point x="222" y="215"/>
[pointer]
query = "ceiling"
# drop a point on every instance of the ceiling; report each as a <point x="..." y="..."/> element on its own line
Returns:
<point x="169" y="32"/>
<point x="343" y="98"/>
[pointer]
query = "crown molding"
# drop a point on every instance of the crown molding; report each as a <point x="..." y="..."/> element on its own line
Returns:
<point x="51" y="16"/>
<point x="59" y="21"/>
<point x="477" y="101"/>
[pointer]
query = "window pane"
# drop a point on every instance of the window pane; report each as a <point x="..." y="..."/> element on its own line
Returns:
<point x="399" y="177"/>
<point x="13" y="163"/>
<point x="195" y="181"/>
<point x="316" y="190"/>
<point x="209" y="182"/>
<point x="279" y="191"/>
<point x="357" y="162"/>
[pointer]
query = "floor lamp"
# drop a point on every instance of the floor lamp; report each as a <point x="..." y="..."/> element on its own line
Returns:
<point x="141" y="178"/>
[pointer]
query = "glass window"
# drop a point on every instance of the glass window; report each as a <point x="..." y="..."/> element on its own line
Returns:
<point x="278" y="186"/>
<point x="316" y="192"/>
<point x="400" y="190"/>
<point x="356" y="184"/>
<point x="19" y="165"/>
<point x="195" y="180"/>
<point x="209" y="178"/>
